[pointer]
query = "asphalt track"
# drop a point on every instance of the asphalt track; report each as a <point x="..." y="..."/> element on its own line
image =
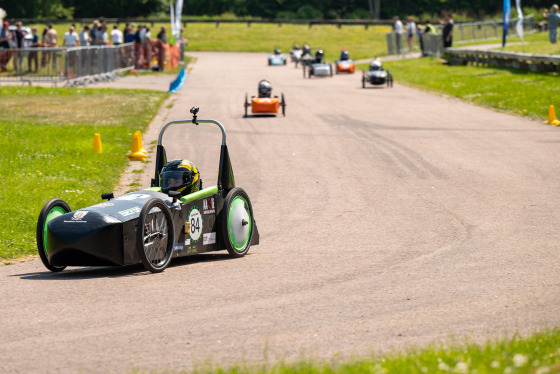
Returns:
<point x="388" y="218"/>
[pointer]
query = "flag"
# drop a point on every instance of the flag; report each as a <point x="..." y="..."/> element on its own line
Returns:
<point x="178" y="13"/>
<point x="519" y="25"/>
<point x="172" y="18"/>
<point x="507" y="11"/>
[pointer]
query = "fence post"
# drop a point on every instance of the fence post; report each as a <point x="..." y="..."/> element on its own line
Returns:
<point x="390" y="46"/>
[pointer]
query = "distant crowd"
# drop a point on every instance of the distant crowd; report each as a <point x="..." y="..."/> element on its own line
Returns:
<point x="18" y="37"/>
<point x="412" y="29"/>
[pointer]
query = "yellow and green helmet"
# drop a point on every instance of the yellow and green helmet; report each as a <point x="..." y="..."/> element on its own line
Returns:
<point x="181" y="176"/>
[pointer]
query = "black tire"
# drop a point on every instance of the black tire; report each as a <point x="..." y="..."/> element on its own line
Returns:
<point x="283" y="105"/>
<point x="363" y="82"/>
<point x="285" y="60"/>
<point x="304" y="68"/>
<point x="53" y="208"/>
<point x="237" y="222"/>
<point x="331" y="69"/>
<point x="246" y="104"/>
<point x="155" y="235"/>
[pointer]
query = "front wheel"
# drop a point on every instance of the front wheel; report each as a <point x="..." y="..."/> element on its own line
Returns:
<point x="283" y="105"/>
<point x="52" y="209"/>
<point x="246" y="104"/>
<point x="237" y="222"/>
<point x="155" y="235"/>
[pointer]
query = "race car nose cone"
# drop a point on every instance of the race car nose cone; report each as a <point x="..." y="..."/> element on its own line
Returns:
<point x="84" y="238"/>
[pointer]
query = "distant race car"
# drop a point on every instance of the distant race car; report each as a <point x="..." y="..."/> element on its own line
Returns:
<point x="277" y="58"/>
<point x="173" y="218"/>
<point x="318" y="67"/>
<point x="376" y="75"/>
<point x="265" y="103"/>
<point x="295" y="53"/>
<point x="305" y="57"/>
<point x="345" y="65"/>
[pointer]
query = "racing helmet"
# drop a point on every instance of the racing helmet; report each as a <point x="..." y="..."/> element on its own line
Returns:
<point x="265" y="89"/>
<point x="319" y="55"/>
<point x="344" y="55"/>
<point x="181" y="176"/>
<point x="277" y="51"/>
<point x="375" y="65"/>
<point x="306" y="49"/>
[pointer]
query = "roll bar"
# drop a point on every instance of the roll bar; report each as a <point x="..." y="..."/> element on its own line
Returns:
<point x="194" y="111"/>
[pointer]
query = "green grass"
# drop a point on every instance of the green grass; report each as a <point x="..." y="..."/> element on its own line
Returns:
<point x="360" y="42"/>
<point x="537" y="43"/>
<point x="515" y="91"/>
<point x="46" y="151"/>
<point x="538" y="353"/>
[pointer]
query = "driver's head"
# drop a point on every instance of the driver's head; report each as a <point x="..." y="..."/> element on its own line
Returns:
<point x="181" y="176"/>
<point x="265" y="89"/>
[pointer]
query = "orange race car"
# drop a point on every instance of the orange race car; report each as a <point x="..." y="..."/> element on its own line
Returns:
<point x="265" y="103"/>
<point x="345" y="65"/>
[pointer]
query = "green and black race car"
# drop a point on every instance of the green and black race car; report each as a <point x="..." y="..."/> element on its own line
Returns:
<point x="173" y="218"/>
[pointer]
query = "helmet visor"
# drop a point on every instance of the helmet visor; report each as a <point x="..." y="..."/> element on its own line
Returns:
<point x="174" y="179"/>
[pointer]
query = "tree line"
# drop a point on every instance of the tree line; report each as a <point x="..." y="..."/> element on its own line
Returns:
<point x="281" y="9"/>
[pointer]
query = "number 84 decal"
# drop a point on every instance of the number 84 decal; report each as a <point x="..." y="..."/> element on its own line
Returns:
<point x="193" y="226"/>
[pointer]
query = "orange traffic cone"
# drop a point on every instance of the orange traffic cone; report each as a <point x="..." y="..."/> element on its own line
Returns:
<point x="136" y="153"/>
<point x="97" y="143"/>
<point x="552" y="117"/>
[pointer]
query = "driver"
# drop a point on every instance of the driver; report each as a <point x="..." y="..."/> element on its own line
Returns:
<point x="181" y="176"/>
<point x="319" y="56"/>
<point x="344" y="55"/>
<point x="265" y="89"/>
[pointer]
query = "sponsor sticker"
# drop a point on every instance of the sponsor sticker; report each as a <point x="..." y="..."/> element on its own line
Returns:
<point x="133" y="196"/>
<point x="178" y="247"/>
<point x="103" y="205"/>
<point x="130" y="211"/>
<point x="187" y="242"/>
<point x="78" y="215"/>
<point x="209" y="238"/>
<point x="208" y="206"/>
<point x="195" y="224"/>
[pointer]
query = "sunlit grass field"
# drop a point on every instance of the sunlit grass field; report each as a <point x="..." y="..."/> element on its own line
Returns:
<point x="46" y="151"/>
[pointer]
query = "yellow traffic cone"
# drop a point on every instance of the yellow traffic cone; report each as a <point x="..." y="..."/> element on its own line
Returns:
<point x="136" y="153"/>
<point x="139" y="135"/>
<point x="97" y="143"/>
<point x="552" y="117"/>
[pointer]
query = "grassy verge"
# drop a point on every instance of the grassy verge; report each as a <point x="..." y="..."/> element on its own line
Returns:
<point x="515" y="91"/>
<point x="537" y="43"/>
<point x="539" y="353"/>
<point x="46" y="151"/>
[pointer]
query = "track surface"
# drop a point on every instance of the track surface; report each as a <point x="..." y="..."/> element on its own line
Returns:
<point x="388" y="218"/>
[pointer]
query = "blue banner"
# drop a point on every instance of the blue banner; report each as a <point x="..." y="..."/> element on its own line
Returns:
<point x="507" y="12"/>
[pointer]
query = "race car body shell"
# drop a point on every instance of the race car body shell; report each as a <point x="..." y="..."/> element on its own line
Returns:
<point x="346" y="66"/>
<point x="264" y="105"/>
<point x="321" y="69"/>
<point x="105" y="234"/>
<point x="277" y="59"/>
<point x="377" y="77"/>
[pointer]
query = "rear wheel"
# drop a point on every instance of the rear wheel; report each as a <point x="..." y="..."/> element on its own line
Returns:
<point x="52" y="209"/>
<point x="155" y="236"/>
<point x="331" y="69"/>
<point x="246" y="104"/>
<point x="283" y="105"/>
<point x="237" y="222"/>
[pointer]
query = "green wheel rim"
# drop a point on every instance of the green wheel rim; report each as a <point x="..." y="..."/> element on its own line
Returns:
<point x="53" y="213"/>
<point x="239" y="244"/>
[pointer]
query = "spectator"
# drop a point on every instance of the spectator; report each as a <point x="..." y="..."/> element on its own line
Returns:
<point x="5" y="38"/>
<point x="18" y="39"/>
<point x="71" y="38"/>
<point x="146" y="47"/>
<point x="553" y="19"/>
<point x="51" y="37"/>
<point x="116" y="35"/>
<point x="85" y="38"/>
<point x="161" y="36"/>
<point x="419" y="32"/>
<point x="33" y="60"/>
<point x="410" y="31"/>
<point x="138" y="47"/>
<point x="398" y="29"/>
<point x="447" y="30"/>
<point x="93" y="32"/>
<point x="129" y="34"/>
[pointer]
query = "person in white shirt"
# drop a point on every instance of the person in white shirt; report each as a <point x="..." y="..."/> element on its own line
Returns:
<point x="70" y="38"/>
<point x="398" y="29"/>
<point x="410" y="31"/>
<point x="116" y="35"/>
<point x="85" y="39"/>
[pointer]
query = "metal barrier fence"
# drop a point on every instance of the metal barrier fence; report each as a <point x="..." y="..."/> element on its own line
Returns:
<point x="76" y="65"/>
<point x="432" y="44"/>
